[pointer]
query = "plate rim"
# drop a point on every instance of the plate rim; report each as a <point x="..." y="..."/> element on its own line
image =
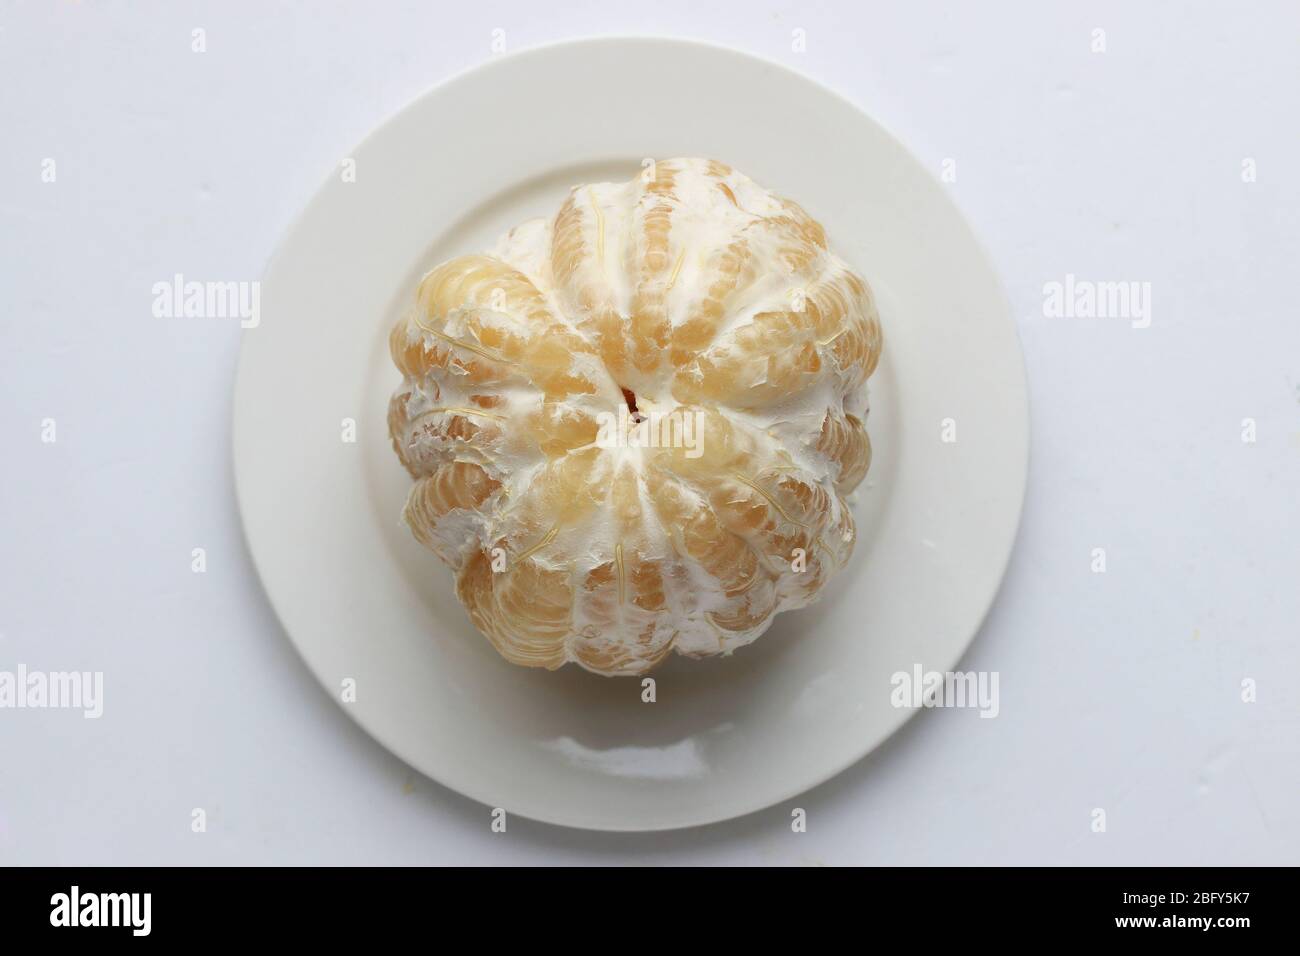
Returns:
<point x="294" y="227"/>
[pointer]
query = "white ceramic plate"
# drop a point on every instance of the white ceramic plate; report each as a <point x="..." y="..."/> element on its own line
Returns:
<point x="361" y="600"/>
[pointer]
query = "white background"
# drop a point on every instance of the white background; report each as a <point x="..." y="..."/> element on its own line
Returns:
<point x="1120" y="691"/>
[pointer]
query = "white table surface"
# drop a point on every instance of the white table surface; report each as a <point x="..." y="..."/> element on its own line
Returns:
<point x="1119" y="691"/>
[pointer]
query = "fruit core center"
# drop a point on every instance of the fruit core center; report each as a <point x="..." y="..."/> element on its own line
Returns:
<point x="629" y="396"/>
